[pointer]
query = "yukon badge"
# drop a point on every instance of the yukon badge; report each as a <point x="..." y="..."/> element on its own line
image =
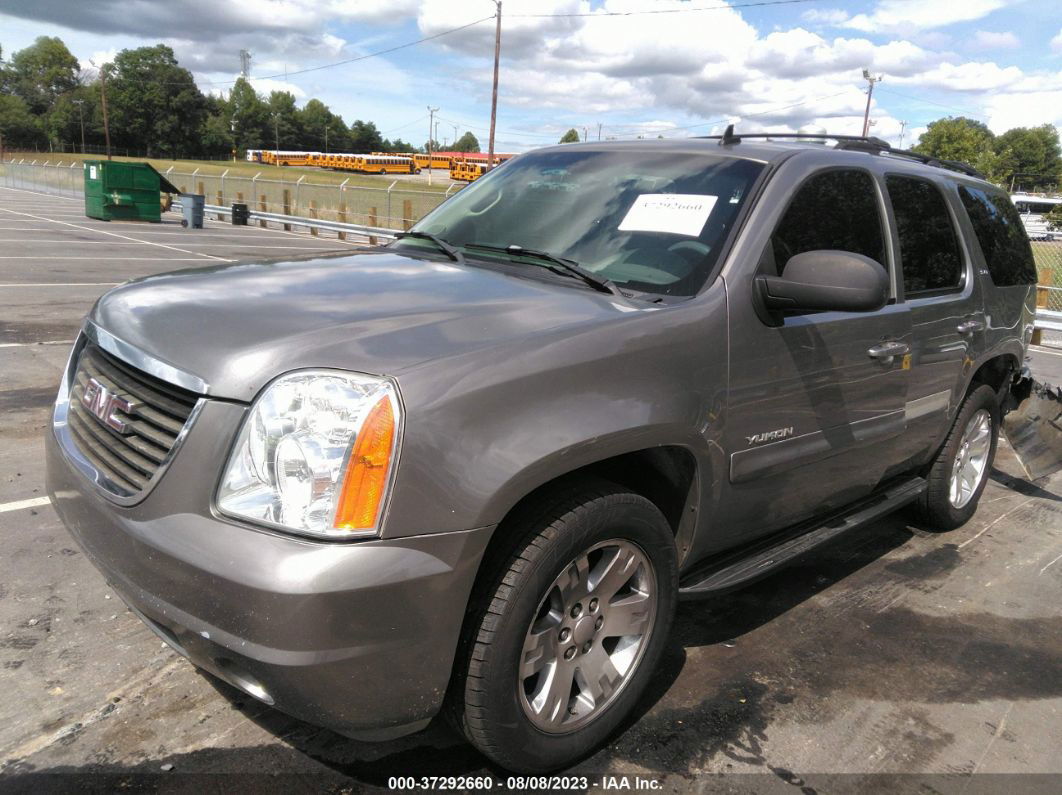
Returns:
<point x="770" y="436"/>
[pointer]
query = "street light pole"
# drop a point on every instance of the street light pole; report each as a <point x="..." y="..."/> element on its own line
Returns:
<point x="276" y="139"/>
<point x="326" y="139"/>
<point x="81" y="114"/>
<point x="103" y="103"/>
<point x="494" y="91"/>
<point x="870" y="92"/>
<point x="431" y="127"/>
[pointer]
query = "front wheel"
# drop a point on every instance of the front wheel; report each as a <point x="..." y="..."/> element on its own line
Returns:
<point x="959" y="473"/>
<point x="570" y="629"/>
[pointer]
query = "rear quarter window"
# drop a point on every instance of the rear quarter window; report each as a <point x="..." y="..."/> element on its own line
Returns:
<point x="930" y="256"/>
<point x="997" y="225"/>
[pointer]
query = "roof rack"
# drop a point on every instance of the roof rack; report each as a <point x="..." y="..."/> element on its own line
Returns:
<point x="856" y="143"/>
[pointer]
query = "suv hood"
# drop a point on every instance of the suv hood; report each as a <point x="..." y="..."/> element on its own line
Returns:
<point x="238" y="326"/>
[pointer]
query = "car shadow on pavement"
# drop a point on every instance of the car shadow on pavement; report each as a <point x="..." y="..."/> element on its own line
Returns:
<point x="1023" y="486"/>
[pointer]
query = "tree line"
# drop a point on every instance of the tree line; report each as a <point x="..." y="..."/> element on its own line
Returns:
<point x="154" y="106"/>
<point x="1022" y="158"/>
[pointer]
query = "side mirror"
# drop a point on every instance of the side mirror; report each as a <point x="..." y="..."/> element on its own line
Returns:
<point x="815" y="281"/>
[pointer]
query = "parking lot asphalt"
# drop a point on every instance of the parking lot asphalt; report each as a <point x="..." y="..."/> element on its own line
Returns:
<point x="895" y="652"/>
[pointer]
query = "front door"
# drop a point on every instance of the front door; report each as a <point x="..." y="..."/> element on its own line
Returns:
<point x="816" y="405"/>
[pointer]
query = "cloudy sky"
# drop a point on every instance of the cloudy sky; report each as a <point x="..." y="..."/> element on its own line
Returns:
<point x="685" y="68"/>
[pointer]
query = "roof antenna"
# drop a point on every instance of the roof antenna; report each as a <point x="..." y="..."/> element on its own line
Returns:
<point x="729" y="137"/>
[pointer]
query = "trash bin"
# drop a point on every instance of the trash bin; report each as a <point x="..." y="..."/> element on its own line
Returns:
<point x="192" y="208"/>
<point x="115" y="190"/>
<point x="240" y="214"/>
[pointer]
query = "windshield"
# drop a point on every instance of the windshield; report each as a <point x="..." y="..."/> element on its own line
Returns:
<point x="646" y="221"/>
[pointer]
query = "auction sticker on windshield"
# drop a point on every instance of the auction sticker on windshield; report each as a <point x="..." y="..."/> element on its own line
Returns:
<point x="674" y="213"/>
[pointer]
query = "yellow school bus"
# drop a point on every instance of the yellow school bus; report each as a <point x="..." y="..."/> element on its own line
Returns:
<point x="470" y="169"/>
<point x="467" y="171"/>
<point x="435" y="161"/>
<point x="383" y="164"/>
<point x="280" y="158"/>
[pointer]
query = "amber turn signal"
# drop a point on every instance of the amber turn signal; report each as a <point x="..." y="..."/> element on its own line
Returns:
<point x="358" y="506"/>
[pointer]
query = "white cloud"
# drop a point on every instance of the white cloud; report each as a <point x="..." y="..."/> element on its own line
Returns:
<point x="1025" y="109"/>
<point x="908" y="15"/>
<point x="974" y="76"/>
<point x="994" y="40"/>
<point x="825" y="16"/>
<point x="1056" y="42"/>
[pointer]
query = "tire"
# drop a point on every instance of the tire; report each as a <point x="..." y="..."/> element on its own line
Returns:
<point x="944" y="506"/>
<point x="511" y="695"/>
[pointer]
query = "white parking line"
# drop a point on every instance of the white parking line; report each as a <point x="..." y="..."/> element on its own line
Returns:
<point x="112" y="234"/>
<point x="61" y="284"/>
<point x="138" y="259"/>
<point x="1040" y="349"/>
<point x="320" y="247"/>
<point x="20" y="505"/>
<point x="42" y="193"/>
<point x="31" y="344"/>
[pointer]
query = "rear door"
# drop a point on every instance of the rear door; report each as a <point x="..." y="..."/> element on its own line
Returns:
<point x="815" y="411"/>
<point x="945" y="302"/>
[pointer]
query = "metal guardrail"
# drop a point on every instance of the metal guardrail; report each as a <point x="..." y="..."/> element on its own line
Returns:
<point x="1048" y="319"/>
<point x="298" y="220"/>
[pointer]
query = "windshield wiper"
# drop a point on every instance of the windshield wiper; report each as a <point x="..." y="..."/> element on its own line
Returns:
<point x="441" y="244"/>
<point x="571" y="267"/>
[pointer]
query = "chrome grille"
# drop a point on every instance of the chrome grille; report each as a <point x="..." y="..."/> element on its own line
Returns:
<point x="124" y="421"/>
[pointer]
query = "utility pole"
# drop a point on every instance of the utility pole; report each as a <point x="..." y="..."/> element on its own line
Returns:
<point x="276" y="139"/>
<point x="81" y="114"/>
<point x="584" y="135"/>
<point x="494" y="92"/>
<point x="431" y="142"/>
<point x="455" y="133"/>
<point x="599" y="131"/>
<point x="903" y="126"/>
<point x="436" y="136"/>
<point x="326" y="139"/>
<point x="871" y="80"/>
<point x="103" y="103"/>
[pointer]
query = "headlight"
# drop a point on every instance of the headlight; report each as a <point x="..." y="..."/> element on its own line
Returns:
<point x="315" y="455"/>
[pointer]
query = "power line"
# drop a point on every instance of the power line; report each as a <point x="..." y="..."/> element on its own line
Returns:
<point x="397" y="47"/>
<point x="402" y="126"/>
<point x="931" y="102"/>
<point x="376" y="54"/>
<point x="665" y="10"/>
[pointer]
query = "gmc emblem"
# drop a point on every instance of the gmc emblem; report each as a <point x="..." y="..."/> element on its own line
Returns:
<point x="105" y="406"/>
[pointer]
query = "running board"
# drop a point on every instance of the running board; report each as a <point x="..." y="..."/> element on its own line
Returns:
<point x="731" y="573"/>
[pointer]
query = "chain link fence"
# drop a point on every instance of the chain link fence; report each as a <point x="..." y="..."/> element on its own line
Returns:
<point x="1048" y="255"/>
<point x="388" y="207"/>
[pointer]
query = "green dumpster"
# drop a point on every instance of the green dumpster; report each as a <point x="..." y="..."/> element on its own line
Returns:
<point x="122" y="191"/>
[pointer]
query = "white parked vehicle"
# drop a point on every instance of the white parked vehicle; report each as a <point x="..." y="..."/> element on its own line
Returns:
<point x="1032" y="209"/>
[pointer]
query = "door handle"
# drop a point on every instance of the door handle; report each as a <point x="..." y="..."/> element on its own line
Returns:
<point x="888" y="349"/>
<point x="970" y="326"/>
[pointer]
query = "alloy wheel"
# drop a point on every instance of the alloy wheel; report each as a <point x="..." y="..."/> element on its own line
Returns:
<point x="588" y="636"/>
<point x="971" y="459"/>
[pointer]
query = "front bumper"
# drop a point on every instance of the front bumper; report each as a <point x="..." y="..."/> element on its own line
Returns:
<point x="357" y="637"/>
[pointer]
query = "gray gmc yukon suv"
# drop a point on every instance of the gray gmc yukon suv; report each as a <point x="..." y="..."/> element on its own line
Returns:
<point x="473" y="470"/>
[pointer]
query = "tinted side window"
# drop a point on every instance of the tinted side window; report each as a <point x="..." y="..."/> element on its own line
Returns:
<point x="1002" y="237"/>
<point x="835" y="209"/>
<point x="929" y="247"/>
